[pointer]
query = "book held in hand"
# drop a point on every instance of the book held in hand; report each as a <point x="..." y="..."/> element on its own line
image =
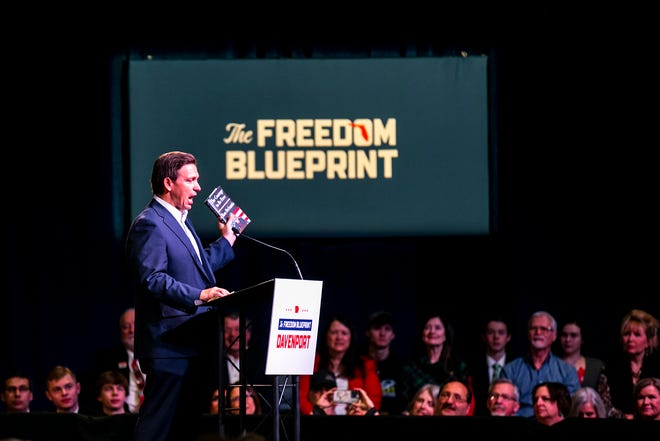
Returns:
<point x="221" y="205"/>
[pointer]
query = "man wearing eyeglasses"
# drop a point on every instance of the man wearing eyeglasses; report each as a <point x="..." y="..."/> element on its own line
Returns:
<point x="17" y="393"/>
<point x="453" y="399"/>
<point x="503" y="396"/>
<point x="540" y="364"/>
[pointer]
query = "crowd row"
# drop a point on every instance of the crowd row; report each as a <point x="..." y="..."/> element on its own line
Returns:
<point x="434" y="381"/>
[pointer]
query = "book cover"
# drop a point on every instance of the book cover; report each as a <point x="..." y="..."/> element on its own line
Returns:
<point x="222" y="205"/>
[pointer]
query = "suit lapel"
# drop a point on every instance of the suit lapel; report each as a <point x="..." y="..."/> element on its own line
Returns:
<point x="206" y="266"/>
<point x="176" y="228"/>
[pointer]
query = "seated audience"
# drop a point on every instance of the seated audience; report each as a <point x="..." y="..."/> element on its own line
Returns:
<point x="17" y="392"/>
<point x="503" y="398"/>
<point x="63" y="390"/>
<point x="487" y="362"/>
<point x="322" y="384"/>
<point x="111" y="392"/>
<point x="552" y="402"/>
<point x="586" y="402"/>
<point x="434" y="359"/>
<point x="539" y="364"/>
<point x="252" y="401"/>
<point x="322" y="387"/>
<point x="647" y="399"/>
<point x="380" y="334"/>
<point x="453" y="399"/>
<point x="589" y="369"/>
<point x="424" y="401"/>
<point x="337" y="353"/>
<point x="214" y="404"/>
<point x="118" y="357"/>
<point x="639" y="358"/>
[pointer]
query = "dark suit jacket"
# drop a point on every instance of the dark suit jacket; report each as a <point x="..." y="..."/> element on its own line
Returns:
<point x="593" y="369"/>
<point x="168" y="278"/>
<point x="481" y="383"/>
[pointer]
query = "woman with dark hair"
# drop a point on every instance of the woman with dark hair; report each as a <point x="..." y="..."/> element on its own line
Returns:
<point x="337" y="352"/>
<point x="647" y="398"/>
<point x="435" y="361"/>
<point x="252" y="401"/>
<point x="552" y="402"/>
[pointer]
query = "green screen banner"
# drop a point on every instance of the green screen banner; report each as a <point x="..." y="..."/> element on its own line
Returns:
<point x="321" y="147"/>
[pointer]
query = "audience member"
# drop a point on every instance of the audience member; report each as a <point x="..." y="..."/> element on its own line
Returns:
<point x="540" y="364"/>
<point x="63" y="389"/>
<point x="647" y="399"/>
<point x="119" y="358"/>
<point x="589" y="369"/>
<point x="487" y="365"/>
<point x="424" y="401"/>
<point x="586" y="402"/>
<point x="245" y="436"/>
<point x="639" y="344"/>
<point x="214" y="405"/>
<point x="254" y="366"/>
<point x="232" y="332"/>
<point x="17" y="392"/>
<point x="252" y="401"/>
<point x="322" y="384"/>
<point x="503" y="398"/>
<point x="380" y="333"/>
<point x="337" y="352"/>
<point x="434" y="361"/>
<point x="111" y="391"/>
<point x="453" y="399"/>
<point x="255" y="359"/>
<point x="552" y="402"/>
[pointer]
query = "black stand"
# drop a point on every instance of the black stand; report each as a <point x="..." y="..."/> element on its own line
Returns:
<point x="259" y="299"/>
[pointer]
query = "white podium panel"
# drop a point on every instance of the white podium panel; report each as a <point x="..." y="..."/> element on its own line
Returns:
<point x="293" y="327"/>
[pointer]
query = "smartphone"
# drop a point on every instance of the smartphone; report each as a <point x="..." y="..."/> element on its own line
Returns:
<point x="346" y="396"/>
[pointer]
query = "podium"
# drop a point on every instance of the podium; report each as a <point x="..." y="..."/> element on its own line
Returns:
<point x="288" y="311"/>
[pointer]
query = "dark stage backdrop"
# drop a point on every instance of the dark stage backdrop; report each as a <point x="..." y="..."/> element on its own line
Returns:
<point x="576" y="181"/>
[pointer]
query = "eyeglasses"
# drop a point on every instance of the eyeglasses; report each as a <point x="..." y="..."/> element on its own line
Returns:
<point x="502" y="396"/>
<point x="540" y="328"/>
<point x="14" y="389"/>
<point x="448" y="395"/>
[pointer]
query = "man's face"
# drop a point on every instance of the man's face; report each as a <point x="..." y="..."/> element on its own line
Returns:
<point x="127" y="329"/>
<point x="63" y="393"/>
<point x="381" y="336"/>
<point x="541" y="333"/>
<point x="496" y="336"/>
<point x="452" y="400"/>
<point x="232" y="333"/>
<point x="185" y="187"/>
<point x="502" y="401"/>
<point x="17" y="394"/>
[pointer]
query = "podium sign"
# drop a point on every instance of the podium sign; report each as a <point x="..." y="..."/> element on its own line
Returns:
<point x="293" y="327"/>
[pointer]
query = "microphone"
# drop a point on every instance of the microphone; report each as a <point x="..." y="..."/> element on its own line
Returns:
<point x="275" y="248"/>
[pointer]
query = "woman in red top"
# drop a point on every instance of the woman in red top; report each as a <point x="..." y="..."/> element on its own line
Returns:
<point x="337" y="352"/>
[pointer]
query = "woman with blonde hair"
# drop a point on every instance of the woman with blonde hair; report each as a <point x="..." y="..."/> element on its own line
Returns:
<point x="639" y="359"/>
<point x="424" y="400"/>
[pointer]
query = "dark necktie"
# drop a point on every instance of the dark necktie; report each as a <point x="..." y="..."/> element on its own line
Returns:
<point x="497" y="370"/>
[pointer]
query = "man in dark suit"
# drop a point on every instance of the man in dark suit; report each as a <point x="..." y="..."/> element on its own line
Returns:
<point x="119" y="358"/>
<point x="488" y="364"/>
<point x="173" y="276"/>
